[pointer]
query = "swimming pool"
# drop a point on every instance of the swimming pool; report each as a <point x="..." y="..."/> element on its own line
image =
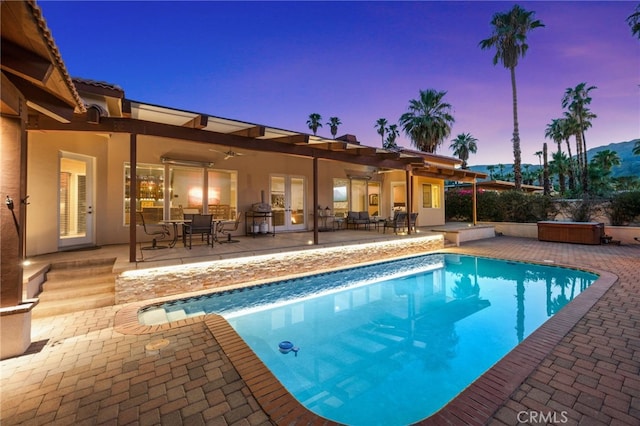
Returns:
<point x="390" y="343"/>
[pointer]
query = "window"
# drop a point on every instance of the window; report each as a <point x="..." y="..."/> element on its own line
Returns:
<point x="430" y="196"/>
<point x="149" y="191"/>
<point x="185" y="190"/>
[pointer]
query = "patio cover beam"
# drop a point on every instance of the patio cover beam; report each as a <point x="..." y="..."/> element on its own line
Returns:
<point x="148" y="128"/>
<point x="251" y="132"/>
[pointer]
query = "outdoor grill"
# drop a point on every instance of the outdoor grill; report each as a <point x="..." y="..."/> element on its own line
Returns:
<point x="261" y="207"/>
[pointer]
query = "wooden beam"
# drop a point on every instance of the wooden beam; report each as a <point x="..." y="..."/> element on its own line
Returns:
<point x="331" y="146"/>
<point x="148" y="128"/>
<point x="299" y="139"/>
<point x="364" y="151"/>
<point x="198" y="122"/>
<point x="43" y="101"/>
<point x="251" y="132"/>
<point x="24" y="63"/>
<point x="11" y="98"/>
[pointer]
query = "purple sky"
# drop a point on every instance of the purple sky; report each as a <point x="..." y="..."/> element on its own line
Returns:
<point x="274" y="63"/>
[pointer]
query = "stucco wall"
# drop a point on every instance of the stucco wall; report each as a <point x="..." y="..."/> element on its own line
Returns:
<point x="112" y="152"/>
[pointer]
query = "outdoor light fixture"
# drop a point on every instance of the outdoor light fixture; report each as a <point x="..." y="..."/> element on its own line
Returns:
<point x="192" y="163"/>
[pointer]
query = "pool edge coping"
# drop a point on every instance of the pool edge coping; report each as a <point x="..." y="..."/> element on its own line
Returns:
<point x="474" y="405"/>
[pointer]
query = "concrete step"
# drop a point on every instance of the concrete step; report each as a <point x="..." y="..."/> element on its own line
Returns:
<point x="62" y="292"/>
<point x="80" y="281"/>
<point x="74" y="286"/>
<point x="58" y="307"/>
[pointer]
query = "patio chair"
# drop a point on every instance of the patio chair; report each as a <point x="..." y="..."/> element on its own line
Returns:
<point x="412" y="221"/>
<point x="227" y="227"/>
<point x="160" y="233"/>
<point x="200" y="224"/>
<point x="399" y="221"/>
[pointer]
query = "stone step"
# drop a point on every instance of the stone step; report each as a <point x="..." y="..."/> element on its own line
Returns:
<point x="59" y="307"/>
<point x="55" y="274"/>
<point x="83" y="263"/>
<point x="62" y="291"/>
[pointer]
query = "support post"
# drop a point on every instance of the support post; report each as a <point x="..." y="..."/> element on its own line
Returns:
<point x="475" y="202"/>
<point x="316" y="239"/>
<point x="409" y="196"/>
<point x="133" y="195"/>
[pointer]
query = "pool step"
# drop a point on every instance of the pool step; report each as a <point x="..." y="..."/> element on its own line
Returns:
<point x="75" y="286"/>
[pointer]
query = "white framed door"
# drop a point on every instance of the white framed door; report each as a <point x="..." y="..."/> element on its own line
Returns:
<point x="288" y="195"/>
<point x="75" y="200"/>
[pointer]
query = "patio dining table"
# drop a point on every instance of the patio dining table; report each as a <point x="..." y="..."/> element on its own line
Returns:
<point x="175" y="223"/>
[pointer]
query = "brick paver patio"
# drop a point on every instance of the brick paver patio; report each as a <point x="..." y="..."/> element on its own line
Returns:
<point x="83" y="371"/>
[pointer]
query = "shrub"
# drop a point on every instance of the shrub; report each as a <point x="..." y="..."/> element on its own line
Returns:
<point x="458" y="205"/>
<point x="509" y="206"/>
<point x="624" y="208"/>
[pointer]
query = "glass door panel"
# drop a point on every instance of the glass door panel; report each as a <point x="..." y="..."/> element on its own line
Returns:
<point x="75" y="200"/>
<point x="288" y="202"/>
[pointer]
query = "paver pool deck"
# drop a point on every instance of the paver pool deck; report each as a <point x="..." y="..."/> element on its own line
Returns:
<point x="82" y="370"/>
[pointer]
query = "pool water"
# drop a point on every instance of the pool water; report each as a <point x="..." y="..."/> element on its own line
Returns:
<point x="390" y="344"/>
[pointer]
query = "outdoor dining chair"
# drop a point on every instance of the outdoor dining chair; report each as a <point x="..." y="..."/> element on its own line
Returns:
<point x="227" y="227"/>
<point x="199" y="224"/>
<point x="160" y="233"/>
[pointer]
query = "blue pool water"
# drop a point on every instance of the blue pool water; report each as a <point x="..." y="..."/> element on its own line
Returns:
<point x="389" y="344"/>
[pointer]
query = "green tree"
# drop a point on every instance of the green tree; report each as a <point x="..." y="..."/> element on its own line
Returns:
<point x="576" y="100"/>
<point x="463" y="145"/>
<point x="634" y="22"/>
<point x="636" y="148"/>
<point x="333" y="124"/>
<point x="539" y="155"/>
<point x="558" y="165"/>
<point x="381" y="128"/>
<point x="491" y="169"/>
<point x="392" y="134"/>
<point x="606" y="160"/>
<point x="428" y="121"/>
<point x="314" y="122"/>
<point x="509" y="38"/>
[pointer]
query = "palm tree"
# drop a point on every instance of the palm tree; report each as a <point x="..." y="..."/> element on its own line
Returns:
<point x="314" y="122"/>
<point x="509" y="38"/>
<point x="636" y="148"/>
<point x="333" y="123"/>
<point x="381" y="128"/>
<point x="428" y="121"/>
<point x="576" y="100"/>
<point x="554" y="131"/>
<point x="462" y="146"/>
<point x="539" y="155"/>
<point x="634" y="22"/>
<point x="559" y="165"/>
<point x="545" y="180"/>
<point x="491" y="169"/>
<point x="606" y="160"/>
<point x="392" y="134"/>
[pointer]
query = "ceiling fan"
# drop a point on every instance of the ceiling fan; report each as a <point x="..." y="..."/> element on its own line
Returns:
<point x="229" y="153"/>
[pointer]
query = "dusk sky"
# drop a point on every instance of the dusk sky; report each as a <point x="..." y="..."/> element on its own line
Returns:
<point x="274" y="63"/>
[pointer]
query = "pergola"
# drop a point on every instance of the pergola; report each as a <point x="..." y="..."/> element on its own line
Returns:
<point x="139" y="118"/>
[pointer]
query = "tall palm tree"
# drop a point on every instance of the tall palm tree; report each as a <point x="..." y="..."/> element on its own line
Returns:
<point x="576" y="100"/>
<point x="634" y="22"/>
<point x="565" y="130"/>
<point x="333" y="123"/>
<point x="462" y="146"/>
<point x="554" y="131"/>
<point x="546" y="184"/>
<point x="606" y="160"/>
<point x="381" y="128"/>
<point x="314" y="122"/>
<point x="392" y="134"/>
<point x="428" y="121"/>
<point x="509" y="38"/>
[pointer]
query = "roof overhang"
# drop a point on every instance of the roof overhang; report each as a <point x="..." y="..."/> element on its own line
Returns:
<point x="31" y="62"/>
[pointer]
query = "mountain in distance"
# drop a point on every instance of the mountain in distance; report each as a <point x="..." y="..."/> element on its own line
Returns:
<point x="629" y="163"/>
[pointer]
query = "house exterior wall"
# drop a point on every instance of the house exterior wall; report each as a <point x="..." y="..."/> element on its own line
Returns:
<point x="112" y="152"/>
